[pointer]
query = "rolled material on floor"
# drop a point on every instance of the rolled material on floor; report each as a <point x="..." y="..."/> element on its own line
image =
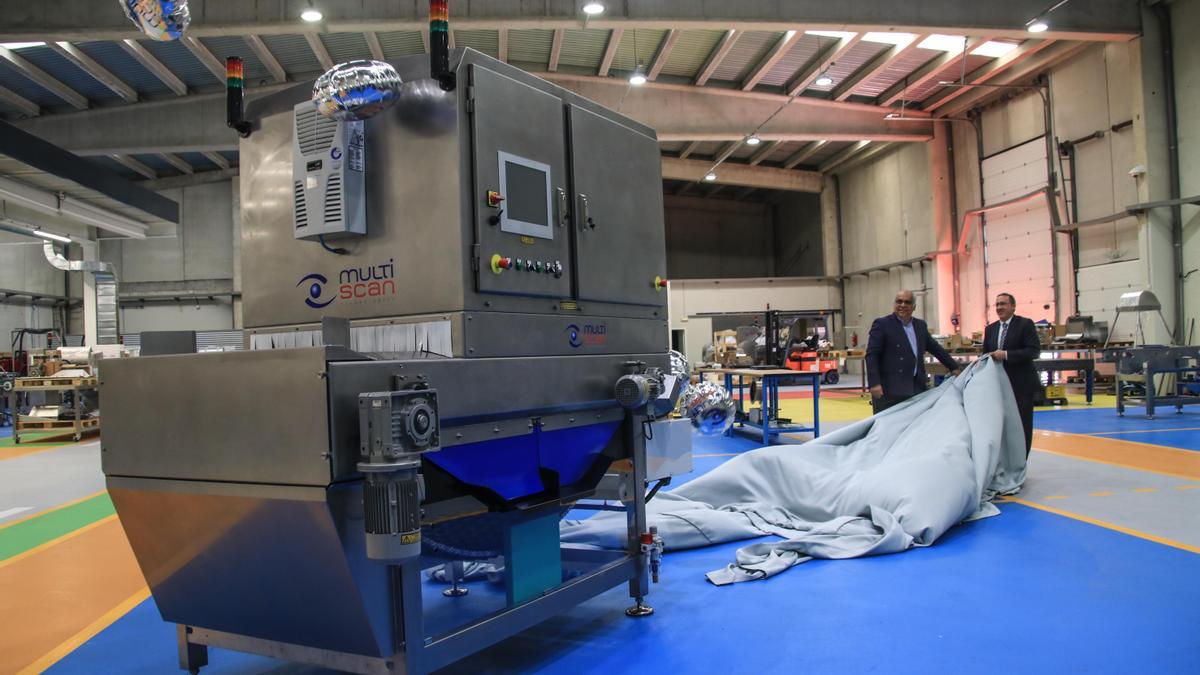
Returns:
<point x="882" y="485"/>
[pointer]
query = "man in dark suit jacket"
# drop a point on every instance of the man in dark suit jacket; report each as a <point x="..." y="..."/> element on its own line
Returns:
<point x="1014" y="341"/>
<point x="895" y="357"/>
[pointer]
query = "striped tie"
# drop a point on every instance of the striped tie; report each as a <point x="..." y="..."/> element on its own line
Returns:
<point x="1003" y="333"/>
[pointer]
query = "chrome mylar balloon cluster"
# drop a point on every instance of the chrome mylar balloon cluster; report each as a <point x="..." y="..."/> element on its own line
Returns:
<point x="161" y="20"/>
<point x="709" y="407"/>
<point x="679" y="365"/>
<point x="356" y="90"/>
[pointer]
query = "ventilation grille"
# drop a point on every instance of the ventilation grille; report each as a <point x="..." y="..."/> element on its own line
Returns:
<point x="301" y="206"/>
<point x="314" y="133"/>
<point x="333" y="199"/>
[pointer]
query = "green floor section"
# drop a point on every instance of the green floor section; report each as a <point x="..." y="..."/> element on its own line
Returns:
<point x="38" y="438"/>
<point x="38" y="530"/>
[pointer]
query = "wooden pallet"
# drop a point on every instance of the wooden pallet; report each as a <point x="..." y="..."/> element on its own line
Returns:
<point x="54" y="383"/>
<point x="27" y="424"/>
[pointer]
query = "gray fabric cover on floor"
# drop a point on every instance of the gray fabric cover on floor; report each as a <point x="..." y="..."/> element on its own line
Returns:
<point x="882" y="485"/>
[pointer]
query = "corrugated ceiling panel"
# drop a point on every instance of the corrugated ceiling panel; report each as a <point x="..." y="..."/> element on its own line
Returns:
<point x="12" y="78"/>
<point x="583" y="48"/>
<point x="182" y="62"/>
<point x="118" y="61"/>
<point x="637" y="46"/>
<point x="345" y="47"/>
<point x="746" y="52"/>
<point x="157" y="163"/>
<point x="222" y="47"/>
<point x="671" y="146"/>
<point x="486" y="41"/>
<point x="197" y="160"/>
<point x="113" y="165"/>
<point x="952" y="71"/>
<point x="530" y="45"/>
<point x="797" y="58"/>
<point x="896" y="72"/>
<point x="293" y="53"/>
<point x="707" y="149"/>
<point x="783" y="151"/>
<point x="826" y="151"/>
<point x="231" y="155"/>
<point x="691" y="51"/>
<point x="850" y="62"/>
<point x="401" y="43"/>
<point x="744" y="151"/>
<point x="68" y="73"/>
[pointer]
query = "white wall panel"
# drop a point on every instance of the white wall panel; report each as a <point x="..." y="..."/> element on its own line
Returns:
<point x="1100" y="287"/>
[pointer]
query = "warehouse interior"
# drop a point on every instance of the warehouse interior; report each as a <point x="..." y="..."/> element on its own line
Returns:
<point x="423" y="426"/>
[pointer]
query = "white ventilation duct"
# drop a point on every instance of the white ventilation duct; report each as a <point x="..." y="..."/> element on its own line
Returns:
<point x="107" y="325"/>
<point x="67" y="207"/>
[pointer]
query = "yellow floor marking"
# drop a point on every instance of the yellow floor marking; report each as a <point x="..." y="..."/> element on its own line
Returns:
<point x="53" y="542"/>
<point x="1119" y="452"/>
<point x="1055" y="497"/>
<point x="1145" y="489"/>
<point x="51" y="510"/>
<point x="1111" y="526"/>
<point x="1187" y="487"/>
<point x="1099" y="494"/>
<point x="91" y="630"/>
<point x="1140" y="431"/>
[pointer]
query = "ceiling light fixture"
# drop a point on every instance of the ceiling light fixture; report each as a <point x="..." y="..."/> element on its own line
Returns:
<point x="1038" y="25"/>
<point x="311" y="14"/>
<point x="710" y="176"/>
<point x="753" y="140"/>
<point x="51" y="236"/>
<point x="823" y="80"/>
<point x="593" y="8"/>
<point x="638" y="76"/>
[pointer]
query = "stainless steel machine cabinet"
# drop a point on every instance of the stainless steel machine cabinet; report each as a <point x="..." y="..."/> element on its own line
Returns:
<point x="286" y="500"/>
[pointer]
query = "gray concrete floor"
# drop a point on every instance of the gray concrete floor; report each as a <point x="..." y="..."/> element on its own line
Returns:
<point x="44" y="480"/>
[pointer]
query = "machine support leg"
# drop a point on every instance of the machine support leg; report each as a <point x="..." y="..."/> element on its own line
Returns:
<point x="409" y="617"/>
<point x="454" y="570"/>
<point x="635" y="510"/>
<point x="192" y="657"/>
<point x="1150" y="392"/>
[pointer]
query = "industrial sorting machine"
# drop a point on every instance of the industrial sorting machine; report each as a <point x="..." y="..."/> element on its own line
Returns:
<point x="497" y="249"/>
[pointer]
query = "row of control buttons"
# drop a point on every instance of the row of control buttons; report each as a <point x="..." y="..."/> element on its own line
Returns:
<point x="500" y="263"/>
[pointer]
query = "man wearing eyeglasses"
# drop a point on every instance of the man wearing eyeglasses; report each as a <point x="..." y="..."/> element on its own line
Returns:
<point x="1013" y="340"/>
<point x="895" y="356"/>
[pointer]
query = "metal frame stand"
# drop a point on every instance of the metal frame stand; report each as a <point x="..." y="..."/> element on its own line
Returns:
<point x="425" y="654"/>
<point x="771" y="427"/>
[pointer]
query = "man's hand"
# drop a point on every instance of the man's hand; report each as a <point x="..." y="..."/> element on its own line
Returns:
<point x="877" y="391"/>
<point x="1000" y="355"/>
<point x="956" y="372"/>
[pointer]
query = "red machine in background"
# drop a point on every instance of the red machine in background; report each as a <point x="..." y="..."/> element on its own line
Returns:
<point x="801" y="359"/>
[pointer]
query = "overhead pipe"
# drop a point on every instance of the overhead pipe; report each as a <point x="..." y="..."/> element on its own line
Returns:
<point x="68" y="207"/>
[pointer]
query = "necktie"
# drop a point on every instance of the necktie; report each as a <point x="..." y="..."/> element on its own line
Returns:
<point x="1003" y="333"/>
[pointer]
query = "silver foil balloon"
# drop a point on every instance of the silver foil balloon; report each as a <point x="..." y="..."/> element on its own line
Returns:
<point x="162" y="20"/>
<point x="709" y="407"/>
<point x="356" y="90"/>
<point x="679" y="365"/>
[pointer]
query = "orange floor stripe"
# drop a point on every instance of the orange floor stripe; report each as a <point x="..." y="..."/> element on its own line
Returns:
<point x="16" y="451"/>
<point x="60" y="590"/>
<point x="71" y="644"/>
<point x="1118" y="452"/>
<point x="1111" y="526"/>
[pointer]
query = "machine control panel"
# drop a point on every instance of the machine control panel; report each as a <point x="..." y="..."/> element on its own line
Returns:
<point x="501" y="263"/>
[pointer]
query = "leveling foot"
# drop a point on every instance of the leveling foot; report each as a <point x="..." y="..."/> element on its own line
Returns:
<point x="639" y="610"/>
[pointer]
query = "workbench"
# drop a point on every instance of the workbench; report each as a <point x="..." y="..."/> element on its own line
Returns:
<point x="770" y="425"/>
<point x="76" y="427"/>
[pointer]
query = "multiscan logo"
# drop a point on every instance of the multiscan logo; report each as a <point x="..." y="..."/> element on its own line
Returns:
<point x="355" y="285"/>
<point x="590" y="335"/>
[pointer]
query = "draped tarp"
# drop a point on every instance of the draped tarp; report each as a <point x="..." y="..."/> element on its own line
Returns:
<point x="882" y="485"/>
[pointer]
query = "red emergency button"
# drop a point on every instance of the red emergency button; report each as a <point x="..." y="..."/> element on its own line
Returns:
<point x="500" y="263"/>
<point x="494" y="198"/>
<point x="659" y="283"/>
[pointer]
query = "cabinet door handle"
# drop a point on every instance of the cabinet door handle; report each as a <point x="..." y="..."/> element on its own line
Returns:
<point x="563" y="214"/>
<point x="585" y="217"/>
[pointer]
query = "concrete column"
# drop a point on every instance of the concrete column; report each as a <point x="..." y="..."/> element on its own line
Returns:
<point x="944" y="273"/>
<point x="1150" y="150"/>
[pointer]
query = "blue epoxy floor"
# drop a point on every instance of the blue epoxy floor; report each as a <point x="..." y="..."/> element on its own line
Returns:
<point x="1028" y="591"/>
<point x="1177" y="430"/>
